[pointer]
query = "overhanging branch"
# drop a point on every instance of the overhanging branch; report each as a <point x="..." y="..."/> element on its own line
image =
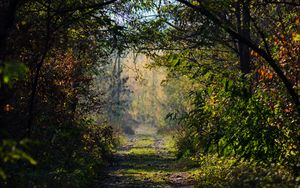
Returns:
<point x="289" y="86"/>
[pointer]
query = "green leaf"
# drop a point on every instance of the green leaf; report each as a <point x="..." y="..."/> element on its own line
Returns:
<point x="2" y="174"/>
<point x="6" y="79"/>
<point x="13" y="72"/>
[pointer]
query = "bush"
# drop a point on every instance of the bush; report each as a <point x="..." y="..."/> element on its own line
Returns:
<point x="75" y="157"/>
<point x="229" y="172"/>
<point x="231" y="121"/>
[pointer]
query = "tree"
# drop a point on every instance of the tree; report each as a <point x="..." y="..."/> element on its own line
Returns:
<point x="264" y="53"/>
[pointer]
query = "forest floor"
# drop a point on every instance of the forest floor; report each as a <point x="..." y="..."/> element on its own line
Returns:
<point x="148" y="160"/>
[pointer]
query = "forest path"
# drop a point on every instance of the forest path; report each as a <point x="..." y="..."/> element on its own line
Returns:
<point x="148" y="160"/>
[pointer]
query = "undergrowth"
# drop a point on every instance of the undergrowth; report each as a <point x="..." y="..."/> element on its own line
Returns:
<point x="215" y="171"/>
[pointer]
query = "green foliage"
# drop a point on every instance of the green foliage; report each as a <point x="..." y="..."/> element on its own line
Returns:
<point x="215" y="171"/>
<point x="11" y="153"/>
<point x="74" y="158"/>
<point x="231" y="114"/>
<point x="12" y="72"/>
<point x="229" y="120"/>
<point x="54" y="61"/>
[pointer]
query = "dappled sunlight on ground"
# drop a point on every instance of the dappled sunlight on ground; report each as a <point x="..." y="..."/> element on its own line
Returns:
<point x="147" y="160"/>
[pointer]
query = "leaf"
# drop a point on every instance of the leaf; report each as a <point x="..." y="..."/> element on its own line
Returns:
<point x="29" y="159"/>
<point x="2" y="174"/>
<point x="13" y="72"/>
<point x="297" y="37"/>
<point x="176" y="62"/>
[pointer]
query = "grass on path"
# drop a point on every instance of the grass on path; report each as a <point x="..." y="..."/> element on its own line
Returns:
<point x="148" y="160"/>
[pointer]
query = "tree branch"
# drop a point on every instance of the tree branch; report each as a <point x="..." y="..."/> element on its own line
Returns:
<point x="80" y="8"/>
<point x="254" y="47"/>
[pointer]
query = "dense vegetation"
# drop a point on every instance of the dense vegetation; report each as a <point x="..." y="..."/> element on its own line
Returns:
<point x="229" y="88"/>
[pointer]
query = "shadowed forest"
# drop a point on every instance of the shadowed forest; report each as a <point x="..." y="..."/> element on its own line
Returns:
<point x="149" y="93"/>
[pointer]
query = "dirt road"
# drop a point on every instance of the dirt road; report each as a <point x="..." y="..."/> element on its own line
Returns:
<point x="147" y="161"/>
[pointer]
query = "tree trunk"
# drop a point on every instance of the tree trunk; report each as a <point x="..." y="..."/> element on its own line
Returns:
<point x="7" y="19"/>
<point x="243" y="27"/>
<point x="36" y="78"/>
